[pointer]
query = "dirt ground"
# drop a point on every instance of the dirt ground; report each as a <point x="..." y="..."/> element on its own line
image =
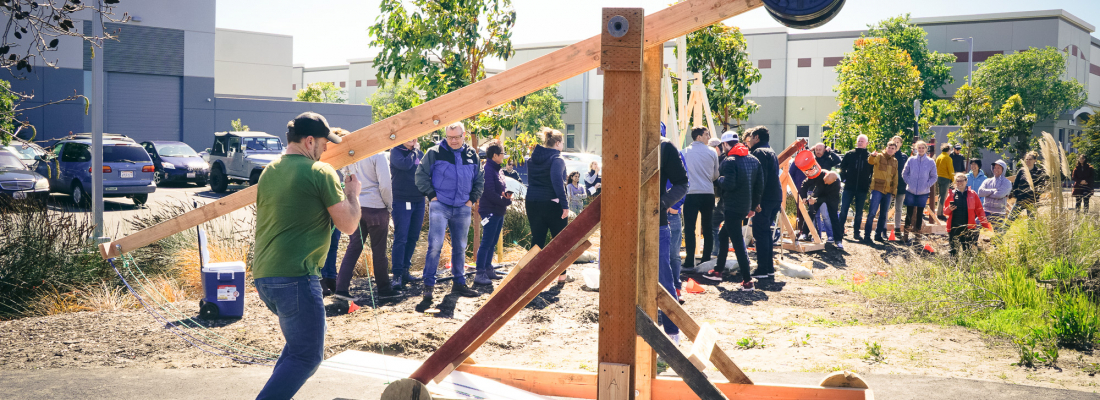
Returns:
<point x="804" y="325"/>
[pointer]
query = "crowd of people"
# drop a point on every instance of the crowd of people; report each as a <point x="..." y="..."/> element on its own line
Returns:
<point x="726" y="187"/>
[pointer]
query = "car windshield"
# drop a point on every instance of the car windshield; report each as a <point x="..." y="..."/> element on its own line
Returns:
<point x="176" y="150"/>
<point x="10" y="161"/>
<point x="125" y="153"/>
<point x="25" y="153"/>
<point x="260" y="143"/>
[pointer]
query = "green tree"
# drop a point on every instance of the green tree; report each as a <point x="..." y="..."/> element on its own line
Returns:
<point x="393" y="98"/>
<point x="321" y="92"/>
<point x="1036" y="75"/>
<point x="1014" y="125"/>
<point x="719" y="53"/>
<point x="237" y="126"/>
<point x="973" y="111"/>
<point x="876" y="86"/>
<point x="934" y="67"/>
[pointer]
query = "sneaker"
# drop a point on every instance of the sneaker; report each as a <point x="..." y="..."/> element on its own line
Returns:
<point x="675" y="337"/>
<point x="464" y="291"/>
<point x="391" y="292"/>
<point x="759" y="275"/>
<point x="840" y="245"/>
<point x="747" y="286"/>
<point x="713" y="275"/>
<point x="879" y="238"/>
<point x="328" y="286"/>
<point x="343" y="295"/>
<point x="409" y="278"/>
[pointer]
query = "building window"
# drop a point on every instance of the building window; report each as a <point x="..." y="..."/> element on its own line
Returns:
<point x="832" y="61"/>
<point x="372" y="82"/>
<point x="570" y="129"/>
<point x="1062" y="135"/>
<point x="293" y="86"/>
<point x="358" y="83"/>
<point x="764" y="64"/>
<point x="569" y="143"/>
<point x="343" y="84"/>
<point x="802" y="131"/>
<point x="804" y="63"/>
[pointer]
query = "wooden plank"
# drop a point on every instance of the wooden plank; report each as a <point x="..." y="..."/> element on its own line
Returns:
<point x="437" y="113"/>
<point x="649" y="214"/>
<point x="694" y="378"/>
<point x="785" y="181"/>
<point x="546" y="281"/>
<point x="704" y="103"/>
<point x="570" y="238"/>
<point x="614" y="382"/>
<point x="725" y="365"/>
<point x="702" y="346"/>
<point x="530" y="255"/>
<point x="582" y="385"/>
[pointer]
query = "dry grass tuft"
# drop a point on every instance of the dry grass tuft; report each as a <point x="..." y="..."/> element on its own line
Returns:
<point x="53" y="302"/>
<point x="185" y="262"/>
<point x="104" y="297"/>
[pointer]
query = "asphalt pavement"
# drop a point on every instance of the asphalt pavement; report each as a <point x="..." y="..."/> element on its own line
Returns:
<point x="244" y="383"/>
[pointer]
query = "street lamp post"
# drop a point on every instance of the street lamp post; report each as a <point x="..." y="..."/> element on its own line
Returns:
<point x="969" y="59"/>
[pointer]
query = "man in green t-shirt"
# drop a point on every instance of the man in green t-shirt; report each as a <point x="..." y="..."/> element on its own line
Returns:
<point x="298" y="202"/>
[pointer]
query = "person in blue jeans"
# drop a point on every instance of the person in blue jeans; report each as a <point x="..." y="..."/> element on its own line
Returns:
<point x="676" y="236"/>
<point x="328" y="272"/>
<point x="298" y="200"/>
<point x="884" y="184"/>
<point x="771" y="200"/>
<point x="450" y="175"/>
<point x="494" y="203"/>
<point x="408" y="210"/>
<point x="855" y="172"/>
<point x="674" y="188"/>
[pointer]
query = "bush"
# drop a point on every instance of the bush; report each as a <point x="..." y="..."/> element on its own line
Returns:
<point x="517" y="231"/>
<point x="1075" y="321"/>
<point x="43" y="251"/>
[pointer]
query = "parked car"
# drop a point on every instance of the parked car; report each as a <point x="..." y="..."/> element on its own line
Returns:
<point x="238" y="157"/>
<point x="579" y="162"/>
<point x="26" y="151"/>
<point x="176" y="162"/>
<point x="17" y="182"/>
<point x="127" y="169"/>
<point x="514" y="186"/>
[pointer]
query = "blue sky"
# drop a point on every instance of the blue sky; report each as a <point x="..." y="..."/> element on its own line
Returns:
<point x="329" y="32"/>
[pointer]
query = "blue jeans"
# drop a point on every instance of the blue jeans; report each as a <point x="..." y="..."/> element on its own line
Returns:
<point x="676" y="235"/>
<point x="298" y="303"/>
<point x="860" y="196"/>
<point x="762" y="232"/>
<point x="441" y="218"/>
<point x="408" y="219"/>
<point x="329" y="270"/>
<point x="665" y="276"/>
<point x="490" y="233"/>
<point x="824" y="223"/>
<point x="880" y="205"/>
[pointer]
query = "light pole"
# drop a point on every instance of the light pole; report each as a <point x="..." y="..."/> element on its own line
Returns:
<point x="969" y="58"/>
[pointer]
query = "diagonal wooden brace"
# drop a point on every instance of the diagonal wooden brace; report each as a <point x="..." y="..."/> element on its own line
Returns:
<point x="573" y="236"/>
<point x="674" y="312"/>
<point x="694" y="378"/>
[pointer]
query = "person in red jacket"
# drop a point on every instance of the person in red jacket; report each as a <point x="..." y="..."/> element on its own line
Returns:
<point x="963" y="207"/>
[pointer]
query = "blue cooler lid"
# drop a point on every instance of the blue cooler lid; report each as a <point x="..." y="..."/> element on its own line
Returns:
<point x="230" y="266"/>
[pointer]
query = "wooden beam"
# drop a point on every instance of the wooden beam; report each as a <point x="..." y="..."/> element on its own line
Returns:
<point x="614" y="379"/>
<point x="582" y="385"/>
<point x="695" y="379"/>
<point x="649" y="203"/>
<point x="519" y="266"/>
<point x="725" y="365"/>
<point x="702" y="346"/>
<point x="460" y="104"/>
<point x="570" y="238"/>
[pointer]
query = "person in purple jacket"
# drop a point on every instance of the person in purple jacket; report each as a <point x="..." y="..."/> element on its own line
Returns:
<point x="492" y="206"/>
<point x="408" y="210"/>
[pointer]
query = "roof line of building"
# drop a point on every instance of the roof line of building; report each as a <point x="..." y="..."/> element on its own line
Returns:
<point x="253" y="32"/>
<point x="1057" y="13"/>
<point x="826" y="35"/>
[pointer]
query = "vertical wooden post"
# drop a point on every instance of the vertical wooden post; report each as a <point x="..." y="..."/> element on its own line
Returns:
<point x="649" y="205"/>
<point x="621" y="42"/>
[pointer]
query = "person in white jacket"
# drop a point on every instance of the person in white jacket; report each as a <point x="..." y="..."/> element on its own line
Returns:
<point x="994" y="193"/>
<point x="376" y="201"/>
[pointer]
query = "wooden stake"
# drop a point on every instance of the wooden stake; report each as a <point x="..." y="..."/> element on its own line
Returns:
<point x="725" y="365"/>
<point x="624" y="138"/>
<point x="694" y="378"/>
<point x="648" y="213"/>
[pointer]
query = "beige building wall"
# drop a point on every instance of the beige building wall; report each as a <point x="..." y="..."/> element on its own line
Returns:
<point x="253" y="64"/>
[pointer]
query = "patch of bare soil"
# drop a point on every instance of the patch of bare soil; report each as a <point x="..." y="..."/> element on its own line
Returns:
<point x="803" y="325"/>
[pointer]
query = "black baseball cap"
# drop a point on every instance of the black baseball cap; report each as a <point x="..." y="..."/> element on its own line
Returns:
<point x="311" y="124"/>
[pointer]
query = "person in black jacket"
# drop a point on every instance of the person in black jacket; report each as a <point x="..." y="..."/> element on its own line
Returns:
<point x="742" y="187"/>
<point x="408" y="210"/>
<point x="546" y="203"/>
<point x="826" y="158"/>
<point x="674" y="176"/>
<point x="510" y="171"/>
<point x="1027" y="193"/>
<point x="855" y="171"/>
<point x="957" y="160"/>
<point x="492" y="206"/>
<point x="771" y="200"/>
<point x="825" y="189"/>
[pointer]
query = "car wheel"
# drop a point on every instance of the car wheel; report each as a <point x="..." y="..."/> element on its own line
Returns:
<point x="200" y="183"/>
<point x="140" y="199"/>
<point x="80" y="196"/>
<point x="158" y="178"/>
<point x="218" y="181"/>
<point x="254" y="178"/>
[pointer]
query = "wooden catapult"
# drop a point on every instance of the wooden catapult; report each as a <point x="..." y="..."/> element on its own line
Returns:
<point x="629" y="50"/>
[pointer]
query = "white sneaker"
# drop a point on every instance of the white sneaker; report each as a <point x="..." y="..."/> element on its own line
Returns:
<point x="675" y="338"/>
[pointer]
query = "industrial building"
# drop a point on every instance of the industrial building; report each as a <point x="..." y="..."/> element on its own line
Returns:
<point x="171" y="75"/>
<point x="797" y="70"/>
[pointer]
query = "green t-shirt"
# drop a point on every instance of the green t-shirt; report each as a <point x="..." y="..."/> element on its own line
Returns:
<point x="293" y="227"/>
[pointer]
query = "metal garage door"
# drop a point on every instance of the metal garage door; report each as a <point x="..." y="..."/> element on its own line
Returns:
<point x="143" y="107"/>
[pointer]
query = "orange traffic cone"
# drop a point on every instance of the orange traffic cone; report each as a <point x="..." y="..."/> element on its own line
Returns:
<point x="929" y="249"/>
<point x="694" y="287"/>
<point x="858" y="278"/>
<point x="352" y="307"/>
<point x="892" y="238"/>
